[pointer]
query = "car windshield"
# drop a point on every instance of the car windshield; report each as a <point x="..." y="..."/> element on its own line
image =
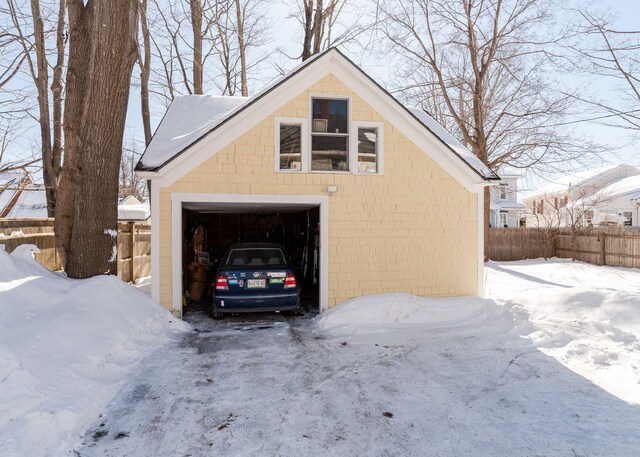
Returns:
<point x="255" y="257"/>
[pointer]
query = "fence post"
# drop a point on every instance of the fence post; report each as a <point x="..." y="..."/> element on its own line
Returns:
<point x="132" y="228"/>
<point x="603" y="249"/>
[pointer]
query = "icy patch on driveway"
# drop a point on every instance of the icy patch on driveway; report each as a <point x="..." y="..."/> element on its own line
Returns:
<point x="66" y="346"/>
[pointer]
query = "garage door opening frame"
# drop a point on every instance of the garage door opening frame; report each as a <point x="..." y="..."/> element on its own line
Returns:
<point x="177" y="200"/>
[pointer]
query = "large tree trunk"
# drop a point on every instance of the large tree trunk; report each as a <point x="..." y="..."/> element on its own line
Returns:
<point x="102" y="49"/>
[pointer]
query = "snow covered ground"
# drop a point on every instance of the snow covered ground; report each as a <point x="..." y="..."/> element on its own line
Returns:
<point x="66" y="347"/>
<point x="548" y="366"/>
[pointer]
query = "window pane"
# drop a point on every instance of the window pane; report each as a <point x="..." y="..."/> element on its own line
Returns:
<point x="329" y="153"/>
<point x="330" y="116"/>
<point x="290" y="149"/>
<point x="367" y="140"/>
<point x="255" y="257"/>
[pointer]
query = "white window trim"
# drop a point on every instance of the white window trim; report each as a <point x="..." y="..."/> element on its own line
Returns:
<point x="304" y="143"/>
<point x="353" y="146"/>
<point x="348" y="134"/>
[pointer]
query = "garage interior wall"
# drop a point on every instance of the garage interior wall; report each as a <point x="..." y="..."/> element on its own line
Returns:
<point x="296" y="230"/>
<point x="413" y="229"/>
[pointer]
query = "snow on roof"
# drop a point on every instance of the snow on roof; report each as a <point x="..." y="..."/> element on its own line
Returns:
<point x="624" y="186"/>
<point x="190" y="117"/>
<point x="507" y="205"/>
<point x="11" y="177"/>
<point x="574" y="179"/>
<point x="32" y="203"/>
<point x="453" y="143"/>
<point x="130" y="200"/>
<point x="133" y="212"/>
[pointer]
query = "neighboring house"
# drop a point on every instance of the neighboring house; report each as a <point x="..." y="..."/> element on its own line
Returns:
<point x="20" y="197"/>
<point x="130" y="209"/>
<point x="367" y="196"/>
<point x="609" y="196"/>
<point x="505" y="211"/>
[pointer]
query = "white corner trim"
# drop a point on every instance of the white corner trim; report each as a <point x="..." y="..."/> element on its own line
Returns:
<point x="353" y="147"/>
<point x="178" y="198"/>
<point x="304" y="143"/>
<point x="155" y="241"/>
<point x="481" y="277"/>
<point x="176" y="257"/>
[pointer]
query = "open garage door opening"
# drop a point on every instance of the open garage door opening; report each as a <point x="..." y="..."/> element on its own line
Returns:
<point x="209" y="229"/>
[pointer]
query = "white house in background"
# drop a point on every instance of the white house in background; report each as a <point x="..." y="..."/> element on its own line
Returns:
<point x="21" y="197"/>
<point x="505" y="211"/>
<point x="130" y="209"/>
<point x="609" y="196"/>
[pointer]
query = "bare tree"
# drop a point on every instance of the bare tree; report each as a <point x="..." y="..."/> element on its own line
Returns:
<point x="9" y="162"/>
<point x="129" y="182"/>
<point x="102" y="52"/>
<point x="481" y="68"/>
<point x="36" y="56"/>
<point x="224" y="53"/>
<point x="144" y="63"/>
<point x="196" y="27"/>
<point x="572" y="211"/>
<point x="615" y="54"/>
<point x="321" y="27"/>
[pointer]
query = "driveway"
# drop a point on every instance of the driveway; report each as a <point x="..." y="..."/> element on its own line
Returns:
<point x="279" y="387"/>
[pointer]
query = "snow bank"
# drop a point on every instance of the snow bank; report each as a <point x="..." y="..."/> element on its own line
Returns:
<point x="585" y="316"/>
<point x="388" y="313"/>
<point x="65" y="347"/>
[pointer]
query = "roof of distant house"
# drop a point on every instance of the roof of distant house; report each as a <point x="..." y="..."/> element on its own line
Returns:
<point x="20" y="197"/>
<point x="574" y="179"/>
<point x="132" y="209"/>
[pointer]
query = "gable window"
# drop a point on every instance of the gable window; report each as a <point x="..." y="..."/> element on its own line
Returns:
<point x="366" y="147"/>
<point x="329" y="134"/>
<point x="290" y="144"/>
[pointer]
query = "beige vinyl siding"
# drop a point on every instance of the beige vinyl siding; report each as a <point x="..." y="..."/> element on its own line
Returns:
<point x="413" y="229"/>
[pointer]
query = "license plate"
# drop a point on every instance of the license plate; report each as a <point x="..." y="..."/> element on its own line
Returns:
<point x="256" y="283"/>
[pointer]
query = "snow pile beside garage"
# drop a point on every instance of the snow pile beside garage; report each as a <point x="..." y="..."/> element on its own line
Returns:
<point x="65" y="348"/>
<point x="587" y="317"/>
<point x="388" y="313"/>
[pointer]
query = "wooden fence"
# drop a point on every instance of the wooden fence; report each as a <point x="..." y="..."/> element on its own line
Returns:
<point x="134" y="244"/>
<point x="613" y="246"/>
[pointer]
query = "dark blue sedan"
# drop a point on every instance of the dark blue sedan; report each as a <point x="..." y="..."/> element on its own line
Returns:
<point x="255" y="277"/>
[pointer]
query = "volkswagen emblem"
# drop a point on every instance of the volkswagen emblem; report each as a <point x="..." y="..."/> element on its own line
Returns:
<point x="256" y="274"/>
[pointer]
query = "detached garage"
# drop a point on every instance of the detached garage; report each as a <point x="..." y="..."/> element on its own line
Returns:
<point x="367" y="195"/>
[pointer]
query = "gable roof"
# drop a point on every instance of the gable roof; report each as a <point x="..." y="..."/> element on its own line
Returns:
<point x="190" y="119"/>
<point x="20" y="197"/>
